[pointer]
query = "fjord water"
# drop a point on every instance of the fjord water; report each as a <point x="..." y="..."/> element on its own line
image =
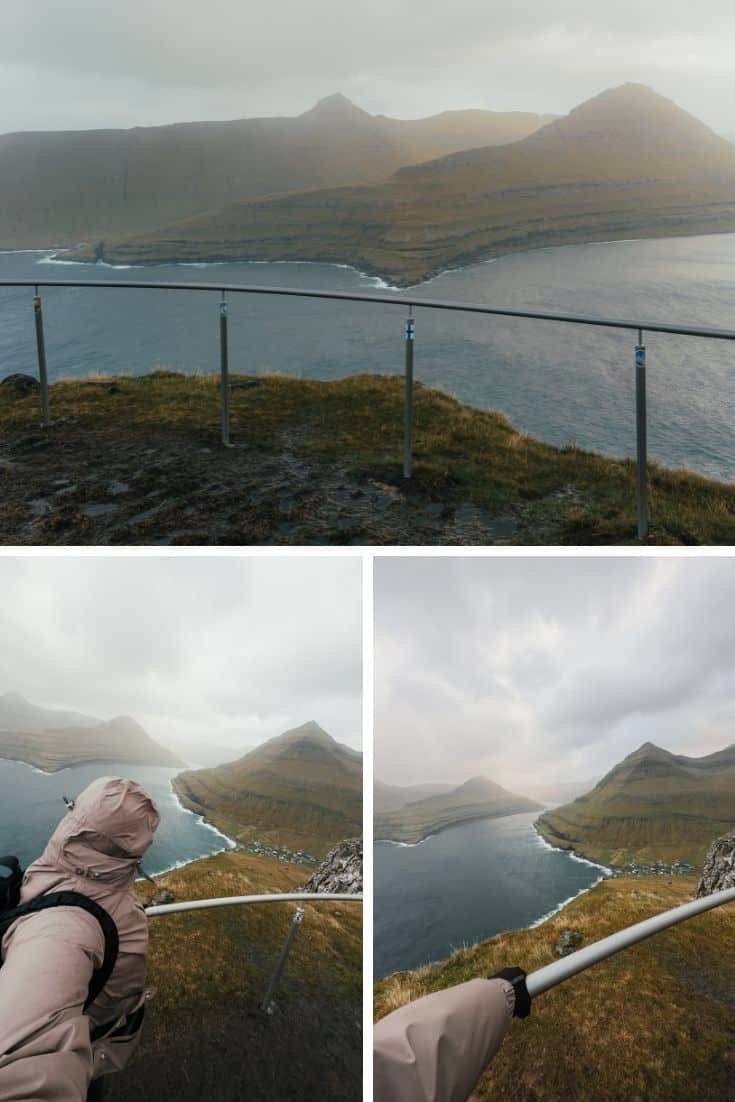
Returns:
<point x="31" y="806"/>
<point x="466" y="884"/>
<point x="565" y="384"/>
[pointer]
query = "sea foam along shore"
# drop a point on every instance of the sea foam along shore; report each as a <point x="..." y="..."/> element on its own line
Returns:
<point x="605" y="872"/>
<point x="230" y="843"/>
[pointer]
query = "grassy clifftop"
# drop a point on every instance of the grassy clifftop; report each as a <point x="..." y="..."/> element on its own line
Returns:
<point x="204" y="1035"/>
<point x="655" y="1022"/>
<point x="137" y="460"/>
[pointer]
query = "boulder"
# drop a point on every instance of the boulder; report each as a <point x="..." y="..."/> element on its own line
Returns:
<point x="340" y="871"/>
<point x="567" y="942"/>
<point x="718" y="871"/>
<point x="21" y="384"/>
<point x="161" y="897"/>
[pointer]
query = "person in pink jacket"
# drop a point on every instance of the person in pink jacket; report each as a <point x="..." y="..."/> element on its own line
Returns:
<point x="436" y="1048"/>
<point x="54" y="1043"/>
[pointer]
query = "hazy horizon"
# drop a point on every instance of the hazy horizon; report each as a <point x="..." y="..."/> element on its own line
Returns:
<point x="538" y="671"/>
<point x="66" y="67"/>
<point x="220" y="650"/>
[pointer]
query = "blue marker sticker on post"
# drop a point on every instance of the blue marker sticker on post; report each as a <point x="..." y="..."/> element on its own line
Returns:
<point x="640" y="356"/>
<point x="410" y="329"/>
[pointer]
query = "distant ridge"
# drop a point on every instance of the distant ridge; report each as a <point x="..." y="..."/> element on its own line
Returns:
<point x="52" y="739"/>
<point x="477" y="798"/>
<point x="62" y="188"/>
<point x="301" y="789"/>
<point x="627" y="163"/>
<point x="651" y="805"/>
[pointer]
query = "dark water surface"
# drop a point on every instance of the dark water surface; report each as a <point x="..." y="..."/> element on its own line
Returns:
<point x="562" y="383"/>
<point x="31" y="806"/>
<point x="466" y="884"/>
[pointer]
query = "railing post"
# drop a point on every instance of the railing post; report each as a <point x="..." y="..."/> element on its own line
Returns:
<point x="278" y="971"/>
<point x="408" y="397"/>
<point x="41" y="350"/>
<point x="224" y="373"/>
<point x="641" y="437"/>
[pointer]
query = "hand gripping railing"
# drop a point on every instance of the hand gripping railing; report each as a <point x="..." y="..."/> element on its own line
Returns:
<point x="231" y="900"/>
<point x="552" y="974"/>
<point x="408" y="303"/>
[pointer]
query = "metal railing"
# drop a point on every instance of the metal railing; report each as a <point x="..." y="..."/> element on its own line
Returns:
<point x="640" y="328"/>
<point x="543" y="979"/>
<point x="235" y="900"/>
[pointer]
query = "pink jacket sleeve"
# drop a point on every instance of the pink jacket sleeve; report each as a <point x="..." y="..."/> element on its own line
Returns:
<point x="436" y="1048"/>
<point x="45" y="1050"/>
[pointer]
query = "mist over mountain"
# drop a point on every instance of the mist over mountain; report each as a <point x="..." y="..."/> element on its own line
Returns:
<point x="477" y="798"/>
<point x="63" y="187"/>
<point x="626" y="163"/>
<point x="51" y="739"/>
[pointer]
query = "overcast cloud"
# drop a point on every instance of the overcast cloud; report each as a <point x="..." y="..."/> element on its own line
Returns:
<point x="232" y="651"/>
<point x="86" y="63"/>
<point x="535" y="670"/>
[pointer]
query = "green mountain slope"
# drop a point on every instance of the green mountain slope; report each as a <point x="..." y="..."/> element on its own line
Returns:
<point x="118" y="740"/>
<point x="626" y="163"/>
<point x="478" y="798"/>
<point x="62" y="188"/>
<point x="652" y="805"/>
<point x="302" y="790"/>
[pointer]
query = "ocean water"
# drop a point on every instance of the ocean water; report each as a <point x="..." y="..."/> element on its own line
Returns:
<point x="31" y="806"/>
<point x="565" y="384"/>
<point x="467" y="884"/>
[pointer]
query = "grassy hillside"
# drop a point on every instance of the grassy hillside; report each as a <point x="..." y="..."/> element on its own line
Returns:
<point x="478" y="798"/>
<point x="204" y="1035"/>
<point x="66" y="187"/>
<point x="627" y="163"/>
<point x="118" y="740"/>
<point x="652" y="805"/>
<point x="317" y="462"/>
<point x="654" y="1023"/>
<point x="301" y="790"/>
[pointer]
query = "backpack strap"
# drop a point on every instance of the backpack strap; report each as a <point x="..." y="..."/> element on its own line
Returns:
<point x="101" y="975"/>
<point x="10" y="885"/>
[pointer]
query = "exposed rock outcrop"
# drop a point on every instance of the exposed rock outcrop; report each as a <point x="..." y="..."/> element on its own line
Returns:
<point x="718" y="871"/>
<point x="340" y="871"/>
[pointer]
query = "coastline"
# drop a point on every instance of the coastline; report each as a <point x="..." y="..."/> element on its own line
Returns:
<point x="382" y="278"/>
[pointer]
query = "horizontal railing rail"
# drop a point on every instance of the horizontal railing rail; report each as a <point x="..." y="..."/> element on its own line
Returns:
<point x="231" y="900"/>
<point x="163" y="909"/>
<point x="543" y="979"/>
<point x="409" y="303"/>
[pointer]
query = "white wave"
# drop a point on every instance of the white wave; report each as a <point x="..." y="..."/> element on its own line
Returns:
<point x="231" y="844"/>
<point x="565" y="903"/>
<point x="404" y="845"/>
<point x="27" y="764"/>
<point x="570" y="853"/>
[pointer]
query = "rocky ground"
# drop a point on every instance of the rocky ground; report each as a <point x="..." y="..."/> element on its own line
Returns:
<point x="340" y="871"/>
<point x="106" y="484"/>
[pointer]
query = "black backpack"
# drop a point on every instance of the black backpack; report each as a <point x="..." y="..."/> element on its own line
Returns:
<point x="11" y="909"/>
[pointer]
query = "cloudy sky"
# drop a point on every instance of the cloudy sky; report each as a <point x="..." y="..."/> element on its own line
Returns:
<point x="535" y="670"/>
<point x="223" y="650"/>
<point x="93" y="63"/>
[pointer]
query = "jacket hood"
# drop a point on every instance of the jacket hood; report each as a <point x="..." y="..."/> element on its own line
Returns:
<point x="103" y="837"/>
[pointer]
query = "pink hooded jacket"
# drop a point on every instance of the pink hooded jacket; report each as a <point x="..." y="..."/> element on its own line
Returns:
<point x="436" y="1048"/>
<point x="46" y="1052"/>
